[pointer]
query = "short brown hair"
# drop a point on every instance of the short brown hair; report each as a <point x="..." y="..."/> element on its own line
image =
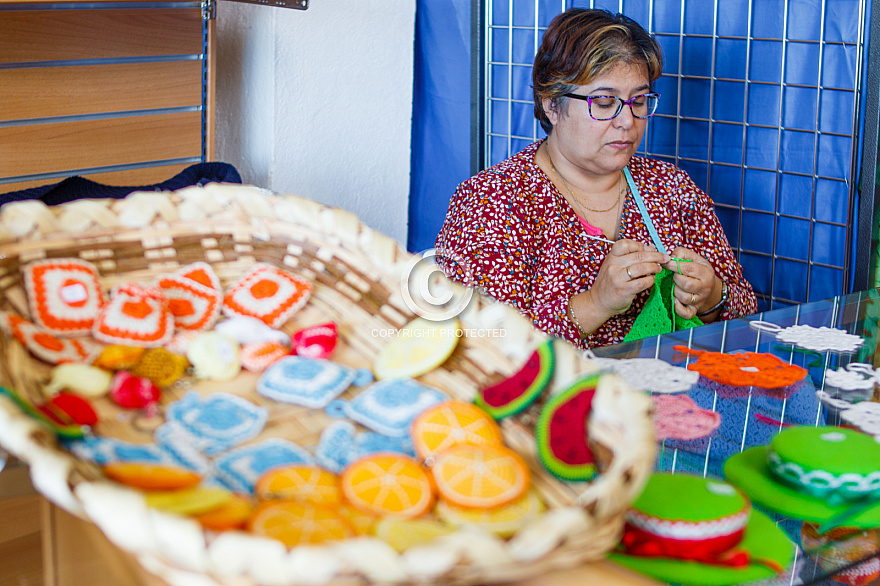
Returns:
<point x="582" y="44"/>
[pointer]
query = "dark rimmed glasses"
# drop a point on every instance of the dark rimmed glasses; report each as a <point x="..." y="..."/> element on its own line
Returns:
<point x="607" y="107"/>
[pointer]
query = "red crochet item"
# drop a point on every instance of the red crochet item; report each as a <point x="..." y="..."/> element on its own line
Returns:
<point x="755" y="369"/>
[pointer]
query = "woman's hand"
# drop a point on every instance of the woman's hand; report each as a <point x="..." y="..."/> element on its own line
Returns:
<point x="695" y="284"/>
<point x="628" y="270"/>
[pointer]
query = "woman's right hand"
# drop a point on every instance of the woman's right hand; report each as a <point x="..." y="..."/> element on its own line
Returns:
<point x="628" y="270"/>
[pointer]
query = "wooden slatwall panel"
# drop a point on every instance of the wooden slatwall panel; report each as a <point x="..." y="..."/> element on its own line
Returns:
<point x="100" y="89"/>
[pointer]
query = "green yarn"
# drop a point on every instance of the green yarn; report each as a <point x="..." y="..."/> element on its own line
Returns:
<point x="658" y="316"/>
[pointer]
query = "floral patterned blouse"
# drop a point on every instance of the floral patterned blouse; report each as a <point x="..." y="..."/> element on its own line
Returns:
<point x="511" y="234"/>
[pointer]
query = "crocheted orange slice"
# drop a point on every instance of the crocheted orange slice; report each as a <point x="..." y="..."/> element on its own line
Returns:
<point x="233" y="514"/>
<point x="193" y="305"/>
<point x="402" y="534"/>
<point x="503" y="521"/>
<point x="361" y="522"/>
<point x="147" y="476"/>
<point x="64" y="295"/>
<point x="298" y="523"/>
<point x="268" y="294"/>
<point x="45" y="346"/>
<point x="135" y="316"/>
<point x="388" y="484"/>
<point x="189" y="501"/>
<point x="301" y="482"/>
<point x="420" y="347"/>
<point x="452" y="423"/>
<point x="480" y="476"/>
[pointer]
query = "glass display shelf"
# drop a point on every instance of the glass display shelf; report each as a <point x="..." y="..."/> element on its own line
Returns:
<point x="751" y="415"/>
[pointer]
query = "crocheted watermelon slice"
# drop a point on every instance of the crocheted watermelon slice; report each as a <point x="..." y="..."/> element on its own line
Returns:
<point x="561" y="432"/>
<point x="514" y="394"/>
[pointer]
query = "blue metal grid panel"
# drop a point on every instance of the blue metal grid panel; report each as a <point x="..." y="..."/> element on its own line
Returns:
<point x="760" y="105"/>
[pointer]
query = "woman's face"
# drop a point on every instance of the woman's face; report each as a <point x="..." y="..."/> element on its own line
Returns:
<point x="601" y="147"/>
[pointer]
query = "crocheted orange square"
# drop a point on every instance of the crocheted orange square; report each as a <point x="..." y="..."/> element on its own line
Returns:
<point x="44" y="345"/>
<point x="194" y="304"/>
<point x="201" y="272"/>
<point x="64" y="295"/>
<point x="268" y="294"/>
<point x="135" y="315"/>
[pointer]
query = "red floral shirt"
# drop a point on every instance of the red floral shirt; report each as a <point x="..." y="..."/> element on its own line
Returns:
<point x="511" y="234"/>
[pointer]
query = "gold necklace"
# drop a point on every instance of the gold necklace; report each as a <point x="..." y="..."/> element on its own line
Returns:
<point x="576" y="200"/>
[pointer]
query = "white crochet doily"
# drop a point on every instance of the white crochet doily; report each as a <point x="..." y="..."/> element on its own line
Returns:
<point x="812" y="338"/>
<point x="651" y="374"/>
<point x="856" y="376"/>
<point x="864" y="415"/>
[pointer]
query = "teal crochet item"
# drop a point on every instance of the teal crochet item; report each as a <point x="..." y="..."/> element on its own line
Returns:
<point x="658" y="316"/>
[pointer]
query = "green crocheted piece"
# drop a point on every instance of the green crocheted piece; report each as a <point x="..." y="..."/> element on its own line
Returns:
<point x="658" y="315"/>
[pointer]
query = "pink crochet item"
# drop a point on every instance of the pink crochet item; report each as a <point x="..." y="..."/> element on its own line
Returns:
<point x="678" y="417"/>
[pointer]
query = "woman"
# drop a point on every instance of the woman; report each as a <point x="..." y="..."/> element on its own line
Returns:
<point x="556" y="230"/>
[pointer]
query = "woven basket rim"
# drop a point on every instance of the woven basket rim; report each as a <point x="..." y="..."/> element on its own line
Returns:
<point x="174" y="545"/>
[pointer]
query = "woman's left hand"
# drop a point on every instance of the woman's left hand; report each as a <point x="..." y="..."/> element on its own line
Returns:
<point x="694" y="282"/>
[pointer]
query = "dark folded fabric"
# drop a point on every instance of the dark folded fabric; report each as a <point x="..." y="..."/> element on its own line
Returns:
<point x="79" y="187"/>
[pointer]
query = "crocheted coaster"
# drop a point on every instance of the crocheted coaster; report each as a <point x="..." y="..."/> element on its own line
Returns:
<point x="104" y="450"/>
<point x="135" y="316"/>
<point x="658" y="315"/>
<point x="193" y="305"/>
<point x="240" y="468"/>
<point x="679" y="417"/>
<point x="47" y="347"/>
<point x="309" y="382"/>
<point x="340" y="445"/>
<point x="820" y="339"/>
<point x="214" y="356"/>
<point x="651" y="374"/>
<point x="267" y="293"/>
<point x="755" y="369"/>
<point x="215" y="423"/>
<point x="389" y="406"/>
<point x="64" y="295"/>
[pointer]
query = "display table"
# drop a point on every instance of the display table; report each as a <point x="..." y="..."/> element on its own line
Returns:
<point x="750" y="416"/>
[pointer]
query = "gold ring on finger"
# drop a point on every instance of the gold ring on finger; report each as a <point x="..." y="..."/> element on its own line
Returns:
<point x="693" y="298"/>
<point x="629" y="274"/>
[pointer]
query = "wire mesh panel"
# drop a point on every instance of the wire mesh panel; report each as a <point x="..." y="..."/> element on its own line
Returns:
<point x="760" y="105"/>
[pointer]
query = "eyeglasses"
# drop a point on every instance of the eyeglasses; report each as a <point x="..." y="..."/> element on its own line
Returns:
<point x="608" y="107"/>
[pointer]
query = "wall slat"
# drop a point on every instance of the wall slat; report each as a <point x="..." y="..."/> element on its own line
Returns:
<point x="99" y="34"/>
<point x="69" y="91"/>
<point x="47" y="148"/>
<point x="128" y="178"/>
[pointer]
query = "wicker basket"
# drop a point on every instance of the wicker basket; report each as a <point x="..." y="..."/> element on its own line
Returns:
<point x="357" y="276"/>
